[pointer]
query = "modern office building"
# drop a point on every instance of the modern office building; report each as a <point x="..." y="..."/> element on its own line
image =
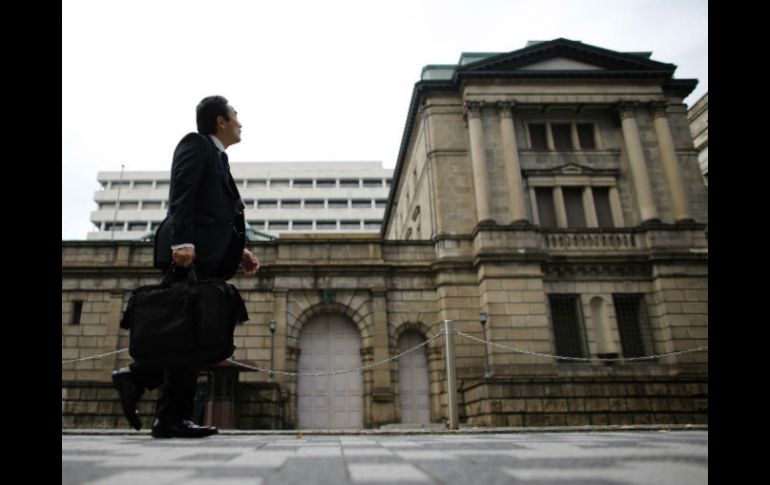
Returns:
<point x="279" y="196"/>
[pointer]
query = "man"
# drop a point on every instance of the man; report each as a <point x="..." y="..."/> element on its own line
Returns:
<point x="204" y="225"/>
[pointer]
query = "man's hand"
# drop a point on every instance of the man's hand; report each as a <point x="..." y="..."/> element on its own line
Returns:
<point x="183" y="257"/>
<point x="249" y="263"/>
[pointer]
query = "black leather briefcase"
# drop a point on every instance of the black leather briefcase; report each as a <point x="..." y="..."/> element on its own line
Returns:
<point x="184" y="322"/>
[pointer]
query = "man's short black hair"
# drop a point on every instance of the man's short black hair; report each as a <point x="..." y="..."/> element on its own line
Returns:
<point x="207" y="111"/>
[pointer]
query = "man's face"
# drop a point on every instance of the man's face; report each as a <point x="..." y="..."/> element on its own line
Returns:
<point x="229" y="131"/>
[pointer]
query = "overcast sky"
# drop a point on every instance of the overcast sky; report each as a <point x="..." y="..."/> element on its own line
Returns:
<point x="311" y="80"/>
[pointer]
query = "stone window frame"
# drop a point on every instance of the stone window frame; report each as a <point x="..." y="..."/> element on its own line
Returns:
<point x="598" y="145"/>
<point x="572" y="181"/>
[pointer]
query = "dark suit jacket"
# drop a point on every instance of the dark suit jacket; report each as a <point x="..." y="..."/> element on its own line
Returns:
<point x="205" y="209"/>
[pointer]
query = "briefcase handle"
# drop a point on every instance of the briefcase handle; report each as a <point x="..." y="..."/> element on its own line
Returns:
<point x="192" y="274"/>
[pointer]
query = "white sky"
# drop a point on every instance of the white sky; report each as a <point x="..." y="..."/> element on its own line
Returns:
<point x="321" y="80"/>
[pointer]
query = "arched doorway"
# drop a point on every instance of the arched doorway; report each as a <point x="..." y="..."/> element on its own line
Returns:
<point x="413" y="380"/>
<point x="329" y="402"/>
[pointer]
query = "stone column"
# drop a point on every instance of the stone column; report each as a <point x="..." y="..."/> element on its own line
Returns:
<point x="558" y="204"/>
<point x="639" y="174"/>
<point x="383" y="398"/>
<point x="478" y="160"/>
<point x="279" y="315"/>
<point x="512" y="165"/>
<point x="670" y="163"/>
<point x="616" y="207"/>
<point x="589" y="208"/>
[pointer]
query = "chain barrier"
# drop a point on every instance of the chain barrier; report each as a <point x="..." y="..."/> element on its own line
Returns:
<point x="584" y="359"/>
<point x="441" y="332"/>
<point x="314" y="374"/>
<point x="336" y="372"/>
<point x="94" y="356"/>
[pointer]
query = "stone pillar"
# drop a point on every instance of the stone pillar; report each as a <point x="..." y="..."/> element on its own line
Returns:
<point x="279" y="315"/>
<point x="512" y="165"/>
<point x="616" y="207"/>
<point x="670" y="163"/>
<point x="589" y="208"/>
<point x="383" y="397"/>
<point x="639" y="174"/>
<point x="478" y="160"/>
<point x="561" y="211"/>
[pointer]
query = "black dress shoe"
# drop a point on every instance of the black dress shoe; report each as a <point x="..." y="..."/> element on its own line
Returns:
<point x="183" y="429"/>
<point x="130" y="392"/>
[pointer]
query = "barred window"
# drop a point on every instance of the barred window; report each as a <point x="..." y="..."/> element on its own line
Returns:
<point x="545" y="208"/>
<point x="603" y="209"/>
<point x="537" y="136"/>
<point x="633" y="326"/>
<point x="573" y="203"/>
<point x="562" y="136"/>
<point x="568" y="329"/>
<point x="77" y="310"/>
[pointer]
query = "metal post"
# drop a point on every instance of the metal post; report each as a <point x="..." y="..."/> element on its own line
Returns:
<point x="483" y="320"/>
<point x="272" y="350"/>
<point x="117" y="203"/>
<point x="451" y="383"/>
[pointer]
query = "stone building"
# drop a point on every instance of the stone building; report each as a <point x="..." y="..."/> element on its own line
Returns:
<point x="550" y="188"/>
<point x="698" y="115"/>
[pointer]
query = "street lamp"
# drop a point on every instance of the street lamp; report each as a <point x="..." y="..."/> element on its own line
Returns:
<point x="272" y="350"/>
<point x="483" y="320"/>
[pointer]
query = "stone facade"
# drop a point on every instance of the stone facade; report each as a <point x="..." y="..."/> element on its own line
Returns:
<point x="462" y="235"/>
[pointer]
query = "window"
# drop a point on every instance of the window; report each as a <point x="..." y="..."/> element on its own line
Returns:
<point x="154" y="226"/>
<point x="567" y="319"/>
<point x="537" y="137"/>
<point x="372" y="225"/>
<point x="267" y="204"/>
<point x="325" y="183"/>
<point x="118" y="226"/>
<point x="573" y="203"/>
<point x="338" y="204"/>
<point x="545" y="208"/>
<point x="142" y="184"/>
<point x="302" y="225"/>
<point x="248" y="203"/>
<point x="149" y="206"/>
<point x="586" y="135"/>
<point x="291" y="204"/>
<point x="162" y="185"/>
<point x="362" y="203"/>
<point x="256" y="183"/>
<point x="129" y="206"/>
<point x="349" y="183"/>
<point x="279" y="183"/>
<point x="562" y="138"/>
<point x="314" y="204"/>
<point x="258" y="225"/>
<point x="372" y="182"/>
<point x="380" y="203"/>
<point x="137" y="226"/>
<point x="303" y="184"/>
<point x="107" y="206"/>
<point x="350" y="225"/>
<point x="388" y="182"/>
<point x="631" y="314"/>
<point x="278" y="225"/>
<point x="603" y="209"/>
<point x="77" y="310"/>
<point x="326" y="225"/>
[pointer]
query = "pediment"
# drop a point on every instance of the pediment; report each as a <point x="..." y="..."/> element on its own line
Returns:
<point x="564" y="56"/>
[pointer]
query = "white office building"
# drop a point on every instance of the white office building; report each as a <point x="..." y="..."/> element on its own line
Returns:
<point x="279" y="196"/>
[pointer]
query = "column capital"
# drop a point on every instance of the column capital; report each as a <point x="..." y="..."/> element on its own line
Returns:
<point x="626" y="109"/>
<point x="473" y="109"/>
<point x="504" y="108"/>
<point x="658" y="108"/>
